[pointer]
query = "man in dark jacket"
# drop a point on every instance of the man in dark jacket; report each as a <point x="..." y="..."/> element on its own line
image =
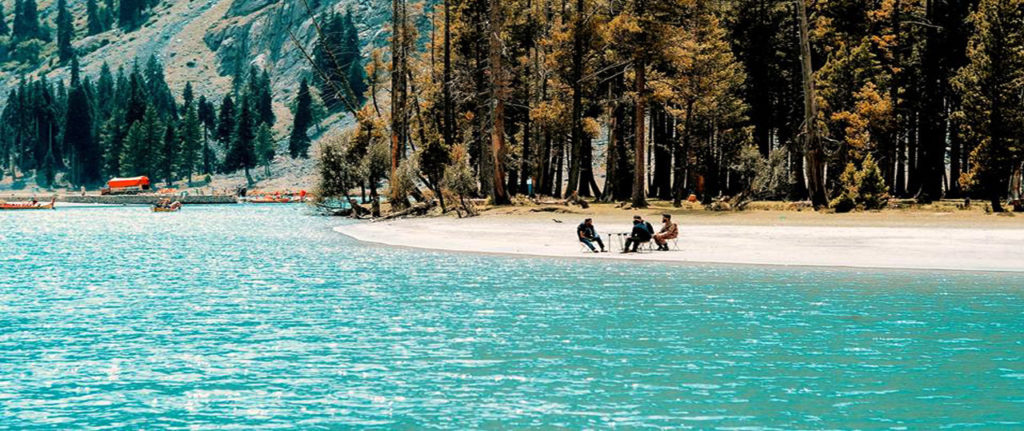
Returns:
<point x="587" y="235"/>
<point x="641" y="234"/>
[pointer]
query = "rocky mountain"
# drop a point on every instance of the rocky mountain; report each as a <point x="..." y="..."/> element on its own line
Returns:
<point x="206" y="42"/>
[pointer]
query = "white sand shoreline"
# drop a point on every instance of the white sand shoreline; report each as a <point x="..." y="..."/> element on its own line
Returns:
<point x="954" y="248"/>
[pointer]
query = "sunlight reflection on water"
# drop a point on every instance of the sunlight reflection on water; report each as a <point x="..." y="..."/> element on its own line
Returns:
<point x="262" y="317"/>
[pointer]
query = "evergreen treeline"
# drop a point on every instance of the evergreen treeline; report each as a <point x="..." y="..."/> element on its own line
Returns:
<point x="757" y="98"/>
<point x="337" y="58"/>
<point x="128" y="123"/>
<point x="26" y="38"/>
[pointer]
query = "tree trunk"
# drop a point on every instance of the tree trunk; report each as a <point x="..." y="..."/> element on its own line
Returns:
<point x="399" y="103"/>
<point x="662" y="185"/>
<point x="498" y="101"/>
<point x="815" y="157"/>
<point x="932" y="143"/>
<point x="576" y="83"/>
<point x="681" y="149"/>
<point x="556" y="186"/>
<point x="446" y="91"/>
<point x="611" y="172"/>
<point x="639" y="176"/>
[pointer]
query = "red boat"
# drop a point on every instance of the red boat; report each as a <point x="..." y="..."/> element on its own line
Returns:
<point x="29" y="206"/>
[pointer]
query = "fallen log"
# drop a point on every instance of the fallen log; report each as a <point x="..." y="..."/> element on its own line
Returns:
<point x="358" y="210"/>
<point x="418" y="209"/>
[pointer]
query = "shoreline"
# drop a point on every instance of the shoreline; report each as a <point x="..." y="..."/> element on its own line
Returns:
<point x="727" y="240"/>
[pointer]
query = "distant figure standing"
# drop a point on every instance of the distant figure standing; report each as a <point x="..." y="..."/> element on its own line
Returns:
<point x="588" y="235"/>
<point x="668" y="231"/>
<point x="641" y="234"/>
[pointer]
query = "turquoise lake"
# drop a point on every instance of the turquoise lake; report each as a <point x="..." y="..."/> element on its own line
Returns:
<point x="253" y="317"/>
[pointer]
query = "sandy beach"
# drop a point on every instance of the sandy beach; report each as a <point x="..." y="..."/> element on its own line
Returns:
<point x="948" y="241"/>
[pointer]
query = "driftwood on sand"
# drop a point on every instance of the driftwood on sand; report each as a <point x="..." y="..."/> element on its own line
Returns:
<point x="354" y="209"/>
<point x="419" y="208"/>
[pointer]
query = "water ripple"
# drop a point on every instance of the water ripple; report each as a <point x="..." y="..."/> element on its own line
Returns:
<point x="263" y="318"/>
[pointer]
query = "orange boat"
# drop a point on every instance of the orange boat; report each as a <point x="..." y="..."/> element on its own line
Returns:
<point x="29" y="206"/>
<point x="270" y="200"/>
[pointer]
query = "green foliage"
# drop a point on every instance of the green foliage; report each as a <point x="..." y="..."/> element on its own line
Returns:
<point x="131" y="13"/>
<point x="26" y="22"/>
<point x="191" y="142"/>
<point x="65" y="31"/>
<point x="766" y="178"/>
<point x="95" y="24"/>
<point x="226" y="122"/>
<point x="458" y="176"/>
<point x="337" y="174"/>
<point x="864" y="188"/>
<point x="298" y="142"/>
<point x="873" y="193"/>
<point x="265" y="147"/>
<point x="27" y="51"/>
<point x="847" y="199"/>
<point x="4" y="29"/>
<point x="143" y="146"/>
<point x="992" y="113"/>
<point x="242" y="154"/>
<point x="338" y="56"/>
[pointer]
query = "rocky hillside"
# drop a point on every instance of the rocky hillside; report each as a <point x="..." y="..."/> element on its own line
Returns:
<point x="205" y="42"/>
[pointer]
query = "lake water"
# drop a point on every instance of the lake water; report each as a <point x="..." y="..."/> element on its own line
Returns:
<point x="262" y="317"/>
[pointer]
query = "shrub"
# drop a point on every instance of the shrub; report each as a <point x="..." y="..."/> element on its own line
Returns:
<point x="27" y="51"/>
<point x="873" y="193"/>
<point x="846" y="201"/>
<point x="864" y="188"/>
<point x="767" y="178"/>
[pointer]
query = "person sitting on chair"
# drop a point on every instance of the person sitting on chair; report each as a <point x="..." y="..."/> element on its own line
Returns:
<point x="587" y="235"/>
<point x="642" y="232"/>
<point x="668" y="231"/>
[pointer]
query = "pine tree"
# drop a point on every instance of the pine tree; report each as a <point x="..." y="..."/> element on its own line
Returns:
<point x="135" y="145"/>
<point x="265" y="101"/>
<point x="4" y="30"/>
<point x="94" y="21"/>
<point x="226" y="122"/>
<point x="993" y="106"/>
<point x="353" y="57"/>
<point x="143" y="146"/>
<point x="130" y="14"/>
<point x="265" y="147"/>
<point x="26" y="21"/>
<point x="191" y="142"/>
<point x="187" y="96"/>
<point x="65" y="31"/>
<point x="298" y="143"/>
<point x="78" y="134"/>
<point x="104" y="95"/>
<point x="159" y="93"/>
<point x="208" y="119"/>
<point x="333" y="58"/>
<point x="167" y="159"/>
<point x="242" y="154"/>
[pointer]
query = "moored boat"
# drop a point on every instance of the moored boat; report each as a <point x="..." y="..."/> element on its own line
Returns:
<point x="166" y="206"/>
<point x="28" y="205"/>
<point x="270" y="200"/>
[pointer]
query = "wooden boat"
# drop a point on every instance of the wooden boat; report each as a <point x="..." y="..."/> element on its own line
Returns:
<point x="166" y="210"/>
<point x="270" y="200"/>
<point x="28" y="206"/>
